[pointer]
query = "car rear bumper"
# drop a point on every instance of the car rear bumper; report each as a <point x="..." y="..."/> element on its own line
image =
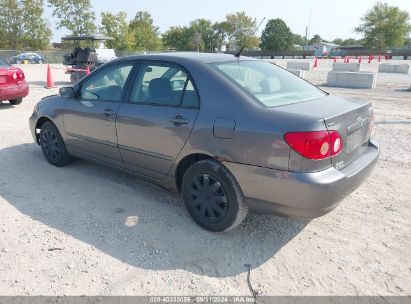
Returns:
<point x="15" y="91"/>
<point x="302" y="195"/>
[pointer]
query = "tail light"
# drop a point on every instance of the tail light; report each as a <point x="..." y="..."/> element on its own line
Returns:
<point x="315" y="144"/>
<point x="16" y="74"/>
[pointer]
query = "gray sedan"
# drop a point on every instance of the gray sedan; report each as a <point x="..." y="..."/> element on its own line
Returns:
<point x="231" y="134"/>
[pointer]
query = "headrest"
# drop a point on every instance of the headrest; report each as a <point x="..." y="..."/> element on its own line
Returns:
<point x="160" y="88"/>
<point x="270" y="85"/>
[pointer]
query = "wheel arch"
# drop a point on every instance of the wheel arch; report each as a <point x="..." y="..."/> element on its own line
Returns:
<point x="185" y="163"/>
<point x="40" y="122"/>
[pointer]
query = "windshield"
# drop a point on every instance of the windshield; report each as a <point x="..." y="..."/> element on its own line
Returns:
<point x="268" y="83"/>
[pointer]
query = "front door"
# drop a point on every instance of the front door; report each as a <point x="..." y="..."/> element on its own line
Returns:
<point x="89" y="119"/>
<point x="153" y="127"/>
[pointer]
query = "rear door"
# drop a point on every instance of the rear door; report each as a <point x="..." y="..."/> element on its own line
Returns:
<point x="155" y="123"/>
<point x="89" y="119"/>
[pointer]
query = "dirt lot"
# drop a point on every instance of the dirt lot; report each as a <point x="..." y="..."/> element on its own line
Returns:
<point x="85" y="229"/>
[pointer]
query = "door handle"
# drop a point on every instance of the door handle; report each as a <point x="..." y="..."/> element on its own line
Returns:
<point x="179" y="120"/>
<point x="109" y="112"/>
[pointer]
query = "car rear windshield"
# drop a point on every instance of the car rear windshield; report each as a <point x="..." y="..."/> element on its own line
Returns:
<point x="269" y="84"/>
<point x="3" y="63"/>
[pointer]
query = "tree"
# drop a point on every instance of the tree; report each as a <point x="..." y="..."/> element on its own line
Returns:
<point x="222" y="31"/>
<point x="241" y="29"/>
<point x="384" y="25"/>
<point x="338" y="41"/>
<point x="11" y="23"/>
<point x="348" y="42"/>
<point x="22" y="25"/>
<point x="351" y="42"/>
<point x="276" y="36"/>
<point x="316" y="39"/>
<point x="37" y="32"/>
<point x="299" y="40"/>
<point x="75" y="15"/>
<point x="116" y="26"/>
<point x="145" y="34"/>
<point x="208" y="38"/>
<point x="179" y="38"/>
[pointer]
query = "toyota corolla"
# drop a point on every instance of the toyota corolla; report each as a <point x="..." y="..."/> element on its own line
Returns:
<point x="231" y="134"/>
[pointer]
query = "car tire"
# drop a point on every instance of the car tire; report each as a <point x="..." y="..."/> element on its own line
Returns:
<point x="53" y="146"/>
<point x="213" y="197"/>
<point x="16" y="101"/>
<point x="40" y="61"/>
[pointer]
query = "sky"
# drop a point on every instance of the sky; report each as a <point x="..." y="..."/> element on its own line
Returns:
<point x="329" y="18"/>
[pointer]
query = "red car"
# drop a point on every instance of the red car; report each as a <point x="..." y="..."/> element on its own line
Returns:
<point x="13" y="86"/>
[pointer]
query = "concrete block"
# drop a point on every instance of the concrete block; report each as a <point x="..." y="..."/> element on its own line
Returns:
<point x="299" y="65"/>
<point x="355" y="80"/>
<point x="299" y="73"/>
<point x="347" y="67"/>
<point x="394" y="68"/>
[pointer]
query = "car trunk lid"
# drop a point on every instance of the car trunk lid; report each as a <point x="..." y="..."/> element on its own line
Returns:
<point x="351" y="118"/>
<point x="4" y="72"/>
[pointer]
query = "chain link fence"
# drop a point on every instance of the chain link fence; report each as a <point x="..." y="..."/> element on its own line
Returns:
<point x="49" y="56"/>
<point x="57" y="56"/>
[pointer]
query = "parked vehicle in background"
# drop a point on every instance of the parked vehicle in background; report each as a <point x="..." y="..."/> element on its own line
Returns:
<point x="33" y="58"/>
<point x="231" y="134"/>
<point x="13" y="86"/>
<point x="85" y="55"/>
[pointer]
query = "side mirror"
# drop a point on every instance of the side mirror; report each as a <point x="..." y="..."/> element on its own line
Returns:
<point x="67" y="92"/>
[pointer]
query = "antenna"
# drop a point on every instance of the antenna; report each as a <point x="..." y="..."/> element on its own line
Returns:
<point x="238" y="54"/>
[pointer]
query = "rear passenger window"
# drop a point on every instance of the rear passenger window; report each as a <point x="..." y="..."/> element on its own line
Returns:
<point x="164" y="84"/>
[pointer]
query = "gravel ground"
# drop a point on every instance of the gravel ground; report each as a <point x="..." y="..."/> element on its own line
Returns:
<point x="86" y="229"/>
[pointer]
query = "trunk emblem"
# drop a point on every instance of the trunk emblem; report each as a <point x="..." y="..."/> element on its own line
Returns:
<point x="357" y="125"/>
<point x="362" y="121"/>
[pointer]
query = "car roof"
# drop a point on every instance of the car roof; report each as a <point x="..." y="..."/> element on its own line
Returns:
<point x="25" y="54"/>
<point x="193" y="56"/>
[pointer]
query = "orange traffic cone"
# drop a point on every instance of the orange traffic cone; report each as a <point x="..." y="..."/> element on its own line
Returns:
<point x="87" y="71"/>
<point x="379" y="58"/>
<point x="315" y="62"/>
<point x="360" y="59"/>
<point x="348" y="59"/>
<point x="50" y="82"/>
<point x="369" y="59"/>
<point x="335" y="59"/>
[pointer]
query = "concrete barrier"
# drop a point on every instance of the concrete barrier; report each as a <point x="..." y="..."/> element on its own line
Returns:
<point x="394" y="68"/>
<point x="355" y="80"/>
<point x="299" y="73"/>
<point x="347" y="67"/>
<point x="298" y="65"/>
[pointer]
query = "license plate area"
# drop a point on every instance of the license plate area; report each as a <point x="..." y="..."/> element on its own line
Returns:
<point x="356" y="139"/>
